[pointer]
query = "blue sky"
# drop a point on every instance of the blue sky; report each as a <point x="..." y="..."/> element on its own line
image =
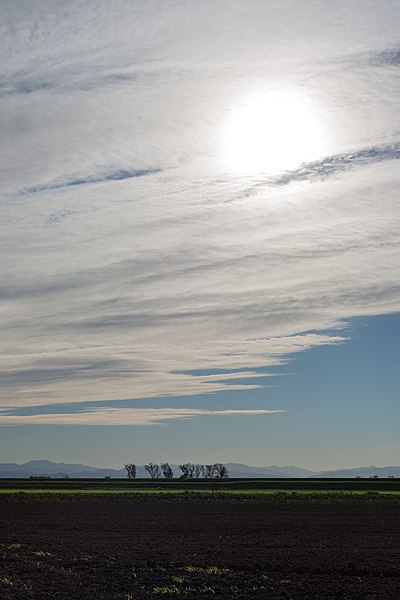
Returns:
<point x="341" y="402"/>
<point x="200" y="231"/>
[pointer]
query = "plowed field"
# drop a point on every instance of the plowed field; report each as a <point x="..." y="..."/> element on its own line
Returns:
<point x="134" y="551"/>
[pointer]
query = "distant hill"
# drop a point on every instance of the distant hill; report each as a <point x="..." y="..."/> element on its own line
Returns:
<point x="47" y="468"/>
<point x="36" y="468"/>
<point x="363" y="472"/>
<point x="240" y="470"/>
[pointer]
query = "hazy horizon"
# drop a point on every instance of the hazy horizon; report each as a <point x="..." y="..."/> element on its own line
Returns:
<point x="235" y="468"/>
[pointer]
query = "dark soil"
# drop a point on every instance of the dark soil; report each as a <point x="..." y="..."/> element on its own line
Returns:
<point x="134" y="551"/>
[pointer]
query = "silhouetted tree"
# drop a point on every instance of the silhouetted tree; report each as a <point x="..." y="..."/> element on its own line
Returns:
<point x="153" y="470"/>
<point x="208" y="471"/>
<point x="187" y="470"/>
<point x="221" y="472"/>
<point x="197" y="471"/>
<point x="131" y="469"/>
<point x="167" y="471"/>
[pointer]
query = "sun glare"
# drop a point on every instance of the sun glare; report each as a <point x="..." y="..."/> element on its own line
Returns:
<point x="271" y="133"/>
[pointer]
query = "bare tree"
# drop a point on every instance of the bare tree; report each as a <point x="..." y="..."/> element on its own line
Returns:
<point x="131" y="468"/>
<point x="208" y="471"/>
<point x="184" y="471"/>
<point x="187" y="470"/>
<point x="220" y="470"/>
<point x="167" y="471"/>
<point x="153" y="470"/>
<point x="197" y="471"/>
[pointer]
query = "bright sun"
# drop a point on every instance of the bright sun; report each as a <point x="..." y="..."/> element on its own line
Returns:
<point x="271" y="133"/>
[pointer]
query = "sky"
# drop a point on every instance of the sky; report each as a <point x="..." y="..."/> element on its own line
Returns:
<point x="200" y="247"/>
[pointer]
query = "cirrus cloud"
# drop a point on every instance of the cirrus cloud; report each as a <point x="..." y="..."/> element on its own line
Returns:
<point x="133" y="264"/>
<point x="124" y="416"/>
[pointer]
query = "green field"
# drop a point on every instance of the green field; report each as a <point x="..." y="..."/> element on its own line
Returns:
<point x="202" y="489"/>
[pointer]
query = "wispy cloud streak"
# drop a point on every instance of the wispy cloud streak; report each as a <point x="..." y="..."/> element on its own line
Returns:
<point x="125" y="416"/>
<point x="111" y="176"/>
<point x="339" y="163"/>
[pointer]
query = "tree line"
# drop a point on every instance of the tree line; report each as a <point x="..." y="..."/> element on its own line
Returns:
<point x="188" y="470"/>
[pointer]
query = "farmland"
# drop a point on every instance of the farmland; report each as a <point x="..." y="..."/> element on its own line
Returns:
<point x="122" y="540"/>
<point x="244" y="486"/>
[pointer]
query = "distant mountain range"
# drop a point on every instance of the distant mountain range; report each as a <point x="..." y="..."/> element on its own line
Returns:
<point x="57" y="470"/>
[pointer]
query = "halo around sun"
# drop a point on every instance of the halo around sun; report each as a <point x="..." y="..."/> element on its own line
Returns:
<point x="271" y="133"/>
